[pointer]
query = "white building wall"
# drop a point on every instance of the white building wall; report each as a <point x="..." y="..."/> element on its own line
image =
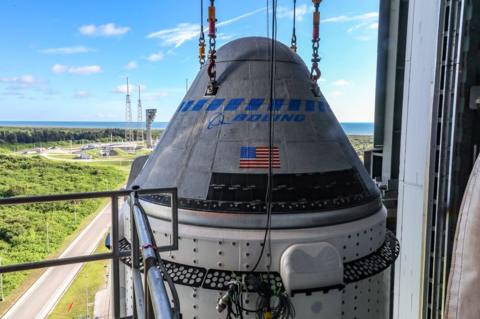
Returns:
<point x="420" y="69"/>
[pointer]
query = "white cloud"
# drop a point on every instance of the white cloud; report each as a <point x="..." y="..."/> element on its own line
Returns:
<point x="25" y="80"/>
<point x="15" y="93"/>
<point x="188" y="31"/>
<point x="286" y="12"/>
<point x="67" y="50"/>
<point x="240" y="17"/>
<point x="224" y="37"/>
<point x="362" y="30"/>
<point x="155" y="57"/>
<point x="121" y="89"/>
<point x="131" y="65"/>
<point x="15" y="84"/>
<point x="20" y="83"/>
<point x="341" y="82"/>
<point x="131" y="87"/>
<point x="59" y="68"/>
<point x="104" y="30"/>
<point x="367" y="25"/>
<point x="362" y="17"/>
<point x="82" y="70"/>
<point x="81" y="94"/>
<point x="176" y="36"/>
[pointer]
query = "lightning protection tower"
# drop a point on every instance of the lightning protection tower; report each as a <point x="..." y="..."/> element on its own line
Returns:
<point x="139" y="118"/>
<point x="150" y="116"/>
<point x="128" y="117"/>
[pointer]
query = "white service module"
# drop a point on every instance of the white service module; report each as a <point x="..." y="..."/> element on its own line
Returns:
<point x="328" y="251"/>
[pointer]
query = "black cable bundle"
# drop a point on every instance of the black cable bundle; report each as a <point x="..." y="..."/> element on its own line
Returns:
<point x="275" y="303"/>
<point x="234" y="307"/>
<point x="284" y="308"/>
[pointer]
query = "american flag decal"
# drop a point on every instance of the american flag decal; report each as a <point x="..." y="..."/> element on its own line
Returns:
<point x="258" y="157"/>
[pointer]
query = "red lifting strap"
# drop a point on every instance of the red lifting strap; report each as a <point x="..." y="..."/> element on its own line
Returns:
<point x="316" y="25"/>
<point x="211" y="21"/>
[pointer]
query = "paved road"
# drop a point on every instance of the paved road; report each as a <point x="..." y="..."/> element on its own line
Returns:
<point x="103" y="299"/>
<point x="43" y="295"/>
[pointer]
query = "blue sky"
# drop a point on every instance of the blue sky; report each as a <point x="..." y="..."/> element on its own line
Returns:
<point x="67" y="60"/>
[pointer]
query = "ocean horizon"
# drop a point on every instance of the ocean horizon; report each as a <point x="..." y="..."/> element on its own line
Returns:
<point x="350" y="128"/>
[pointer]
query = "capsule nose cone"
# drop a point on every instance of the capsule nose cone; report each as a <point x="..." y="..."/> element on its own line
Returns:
<point x="217" y="150"/>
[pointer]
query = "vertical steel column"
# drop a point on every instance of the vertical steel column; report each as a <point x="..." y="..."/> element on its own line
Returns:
<point x="445" y="111"/>
<point x="174" y="221"/>
<point x="116" y="258"/>
<point x="382" y="66"/>
<point x="134" y="256"/>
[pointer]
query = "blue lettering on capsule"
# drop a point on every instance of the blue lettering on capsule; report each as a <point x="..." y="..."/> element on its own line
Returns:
<point x="254" y="105"/>
<point x="198" y="106"/>
<point x="215" y="104"/>
<point x="217" y="120"/>
<point x="187" y="106"/>
<point x="299" y="118"/>
<point x="254" y="117"/>
<point x="240" y="117"/>
<point x="290" y="115"/>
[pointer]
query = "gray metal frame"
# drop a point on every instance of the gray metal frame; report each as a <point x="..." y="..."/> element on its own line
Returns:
<point x="115" y="254"/>
<point x="437" y="259"/>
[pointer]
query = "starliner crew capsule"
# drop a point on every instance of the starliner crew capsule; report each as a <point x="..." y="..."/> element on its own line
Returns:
<point x="328" y="249"/>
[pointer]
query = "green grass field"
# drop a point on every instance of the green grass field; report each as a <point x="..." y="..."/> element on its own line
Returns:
<point x="80" y="296"/>
<point x="34" y="232"/>
<point x="361" y="143"/>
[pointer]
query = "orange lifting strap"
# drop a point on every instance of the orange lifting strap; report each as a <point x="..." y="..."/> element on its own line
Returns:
<point x="211" y="20"/>
<point x="201" y="40"/>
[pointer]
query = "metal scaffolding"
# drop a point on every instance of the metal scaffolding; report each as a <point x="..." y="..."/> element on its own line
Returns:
<point x="156" y="299"/>
<point x="128" y="117"/>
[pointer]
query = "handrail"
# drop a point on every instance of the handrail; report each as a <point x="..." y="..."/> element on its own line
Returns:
<point x="151" y="299"/>
<point x="115" y="253"/>
<point x="160" y="303"/>
<point x="87" y="195"/>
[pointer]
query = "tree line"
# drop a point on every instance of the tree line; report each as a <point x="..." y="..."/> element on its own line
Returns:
<point x="39" y="135"/>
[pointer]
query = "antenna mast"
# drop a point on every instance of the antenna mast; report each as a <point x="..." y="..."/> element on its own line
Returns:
<point x="128" y="117"/>
<point x="139" y="118"/>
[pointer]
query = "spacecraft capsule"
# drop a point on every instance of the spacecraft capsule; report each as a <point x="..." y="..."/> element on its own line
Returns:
<point x="329" y="249"/>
